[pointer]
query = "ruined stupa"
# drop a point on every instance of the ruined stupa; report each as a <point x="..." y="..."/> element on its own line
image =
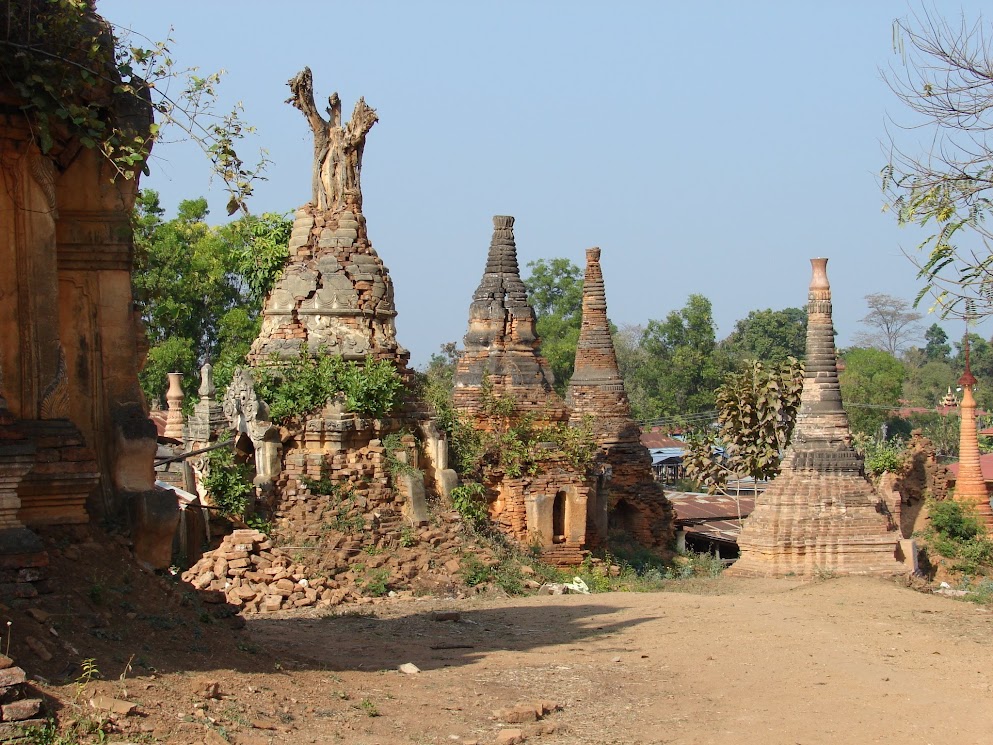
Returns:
<point x="821" y="513"/>
<point x="627" y="497"/>
<point x="502" y="361"/>
<point x="501" y="346"/>
<point x="970" y="486"/>
<point x="335" y="294"/>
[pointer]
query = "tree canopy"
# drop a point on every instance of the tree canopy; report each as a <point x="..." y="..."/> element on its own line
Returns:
<point x="555" y="288"/>
<point x="944" y="79"/>
<point x="200" y="288"/>
<point x="770" y="336"/>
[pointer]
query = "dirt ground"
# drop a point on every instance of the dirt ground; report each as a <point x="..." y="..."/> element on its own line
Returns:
<point x="714" y="661"/>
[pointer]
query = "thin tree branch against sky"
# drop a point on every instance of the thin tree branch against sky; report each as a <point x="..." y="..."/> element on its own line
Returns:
<point x="706" y="148"/>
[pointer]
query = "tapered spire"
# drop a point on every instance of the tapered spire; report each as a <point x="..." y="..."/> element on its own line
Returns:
<point x="820" y="512"/>
<point x="970" y="486"/>
<point x="596" y="360"/>
<point x="501" y="345"/>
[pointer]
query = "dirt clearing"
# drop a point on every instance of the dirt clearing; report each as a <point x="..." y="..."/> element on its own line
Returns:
<point x="834" y="661"/>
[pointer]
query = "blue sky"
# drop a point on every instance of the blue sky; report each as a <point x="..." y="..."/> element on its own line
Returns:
<point x="709" y="147"/>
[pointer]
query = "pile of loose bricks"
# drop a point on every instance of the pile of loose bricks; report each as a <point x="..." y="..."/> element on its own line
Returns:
<point x="20" y="706"/>
<point x="250" y="573"/>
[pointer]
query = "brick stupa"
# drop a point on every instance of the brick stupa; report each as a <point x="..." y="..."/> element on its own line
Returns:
<point x="335" y="293"/>
<point x="820" y="513"/>
<point x="629" y="498"/>
<point x="970" y="486"/>
<point x="501" y="346"/>
<point x="547" y="509"/>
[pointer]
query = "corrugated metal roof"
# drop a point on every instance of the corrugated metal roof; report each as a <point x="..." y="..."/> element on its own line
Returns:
<point x="713" y="515"/>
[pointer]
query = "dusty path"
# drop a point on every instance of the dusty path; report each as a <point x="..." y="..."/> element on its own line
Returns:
<point x="837" y="661"/>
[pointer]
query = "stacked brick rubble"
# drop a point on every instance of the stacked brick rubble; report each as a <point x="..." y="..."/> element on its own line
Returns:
<point x="970" y="486"/>
<point x="502" y="359"/>
<point x="821" y="512"/>
<point x="344" y="566"/>
<point x="20" y="706"/>
<point x="628" y="497"/>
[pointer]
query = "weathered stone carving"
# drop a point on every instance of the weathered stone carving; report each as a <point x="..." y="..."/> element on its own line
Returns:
<point x="55" y="398"/>
<point x="820" y="513"/>
<point x="337" y="149"/>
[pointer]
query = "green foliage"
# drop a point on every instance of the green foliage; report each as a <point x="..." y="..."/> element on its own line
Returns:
<point x="396" y="467"/>
<point x="555" y="288"/>
<point x="955" y="533"/>
<point x="881" y="456"/>
<point x="303" y="384"/>
<point x="228" y="483"/>
<point x="954" y="521"/>
<point x="680" y="367"/>
<point x="871" y="384"/>
<point x="470" y="501"/>
<point x="769" y="336"/>
<point x="189" y="284"/>
<point x="937" y="349"/>
<point x="78" y="82"/>
<point x="756" y="412"/>
<point x="263" y="252"/>
<point x="376" y="583"/>
<point x="474" y="572"/>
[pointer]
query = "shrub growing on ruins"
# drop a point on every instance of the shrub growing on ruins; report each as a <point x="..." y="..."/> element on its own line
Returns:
<point x="887" y="456"/>
<point x="470" y="501"/>
<point x="397" y="467"/>
<point x="304" y="384"/>
<point x="956" y="534"/>
<point x="227" y="483"/>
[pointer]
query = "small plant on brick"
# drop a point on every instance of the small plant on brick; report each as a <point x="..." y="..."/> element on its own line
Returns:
<point x="474" y="572"/>
<point x="397" y="467"/>
<point x="376" y="583"/>
<point x="469" y="500"/>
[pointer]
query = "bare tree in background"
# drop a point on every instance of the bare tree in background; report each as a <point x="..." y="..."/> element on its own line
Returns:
<point x="892" y="324"/>
<point x="945" y="79"/>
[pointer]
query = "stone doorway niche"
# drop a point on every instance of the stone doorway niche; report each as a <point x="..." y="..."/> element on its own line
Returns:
<point x="558" y="518"/>
<point x="623" y="518"/>
<point x="244" y="453"/>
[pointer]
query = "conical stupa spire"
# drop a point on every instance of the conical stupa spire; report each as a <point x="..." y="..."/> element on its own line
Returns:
<point x="821" y="437"/>
<point x="820" y="512"/>
<point x="970" y="486"/>
<point x="596" y="395"/>
<point x="596" y="360"/>
<point x="501" y="343"/>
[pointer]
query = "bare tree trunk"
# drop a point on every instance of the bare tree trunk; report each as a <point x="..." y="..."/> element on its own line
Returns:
<point x="337" y="149"/>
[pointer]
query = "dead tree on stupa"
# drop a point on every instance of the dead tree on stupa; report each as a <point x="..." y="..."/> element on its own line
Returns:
<point x="337" y="149"/>
<point x="821" y="513"/>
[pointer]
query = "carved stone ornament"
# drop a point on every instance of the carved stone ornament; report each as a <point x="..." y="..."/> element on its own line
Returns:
<point x="55" y="398"/>
<point x="243" y="409"/>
